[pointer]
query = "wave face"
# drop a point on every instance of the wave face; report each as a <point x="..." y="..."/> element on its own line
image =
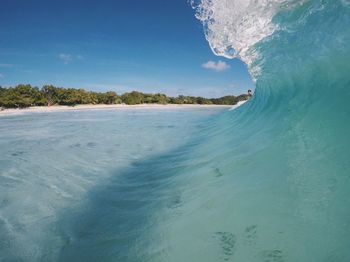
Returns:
<point x="271" y="182"/>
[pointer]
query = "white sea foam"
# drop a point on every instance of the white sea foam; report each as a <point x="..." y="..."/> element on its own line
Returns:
<point x="237" y="105"/>
<point x="234" y="27"/>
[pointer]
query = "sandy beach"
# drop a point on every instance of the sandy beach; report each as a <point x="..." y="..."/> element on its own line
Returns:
<point x="48" y="109"/>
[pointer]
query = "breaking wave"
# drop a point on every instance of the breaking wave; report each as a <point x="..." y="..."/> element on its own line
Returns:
<point x="271" y="178"/>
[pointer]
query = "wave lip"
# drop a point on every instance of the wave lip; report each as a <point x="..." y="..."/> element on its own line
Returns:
<point x="233" y="27"/>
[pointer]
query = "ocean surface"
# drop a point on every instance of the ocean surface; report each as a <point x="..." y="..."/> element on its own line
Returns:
<point x="268" y="181"/>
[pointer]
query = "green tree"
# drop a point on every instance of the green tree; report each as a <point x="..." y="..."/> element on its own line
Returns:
<point x="132" y="98"/>
<point x="51" y="94"/>
<point x="26" y="95"/>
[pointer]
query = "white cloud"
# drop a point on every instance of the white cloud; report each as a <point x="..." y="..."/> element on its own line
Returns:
<point x="67" y="58"/>
<point x="216" y="66"/>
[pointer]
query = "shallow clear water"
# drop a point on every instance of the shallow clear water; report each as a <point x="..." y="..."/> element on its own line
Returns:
<point x="80" y="185"/>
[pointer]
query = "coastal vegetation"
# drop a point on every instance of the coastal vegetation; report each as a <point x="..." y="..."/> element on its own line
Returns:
<point x="23" y="96"/>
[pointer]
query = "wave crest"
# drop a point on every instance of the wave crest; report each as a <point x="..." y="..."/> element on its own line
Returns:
<point x="236" y="28"/>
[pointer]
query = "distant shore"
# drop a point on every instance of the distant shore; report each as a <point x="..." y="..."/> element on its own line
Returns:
<point x="48" y="109"/>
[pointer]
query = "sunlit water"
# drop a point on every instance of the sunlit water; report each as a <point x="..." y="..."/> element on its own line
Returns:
<point x="82" y="185"/>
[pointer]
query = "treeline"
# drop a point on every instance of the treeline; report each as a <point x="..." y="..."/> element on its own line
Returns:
<point x="23" y="96"/>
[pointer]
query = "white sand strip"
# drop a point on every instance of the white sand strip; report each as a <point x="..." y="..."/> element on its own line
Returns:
<point x="47" y="109"/>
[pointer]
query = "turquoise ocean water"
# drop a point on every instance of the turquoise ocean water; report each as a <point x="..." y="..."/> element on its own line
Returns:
<point x="268" y="181"/>
<point x="81" y="185"/>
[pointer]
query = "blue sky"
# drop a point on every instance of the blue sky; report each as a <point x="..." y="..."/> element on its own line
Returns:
<point x="151" y="46"/>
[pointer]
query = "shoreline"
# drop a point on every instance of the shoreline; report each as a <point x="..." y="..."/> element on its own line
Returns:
<point x="48" y="109"/>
